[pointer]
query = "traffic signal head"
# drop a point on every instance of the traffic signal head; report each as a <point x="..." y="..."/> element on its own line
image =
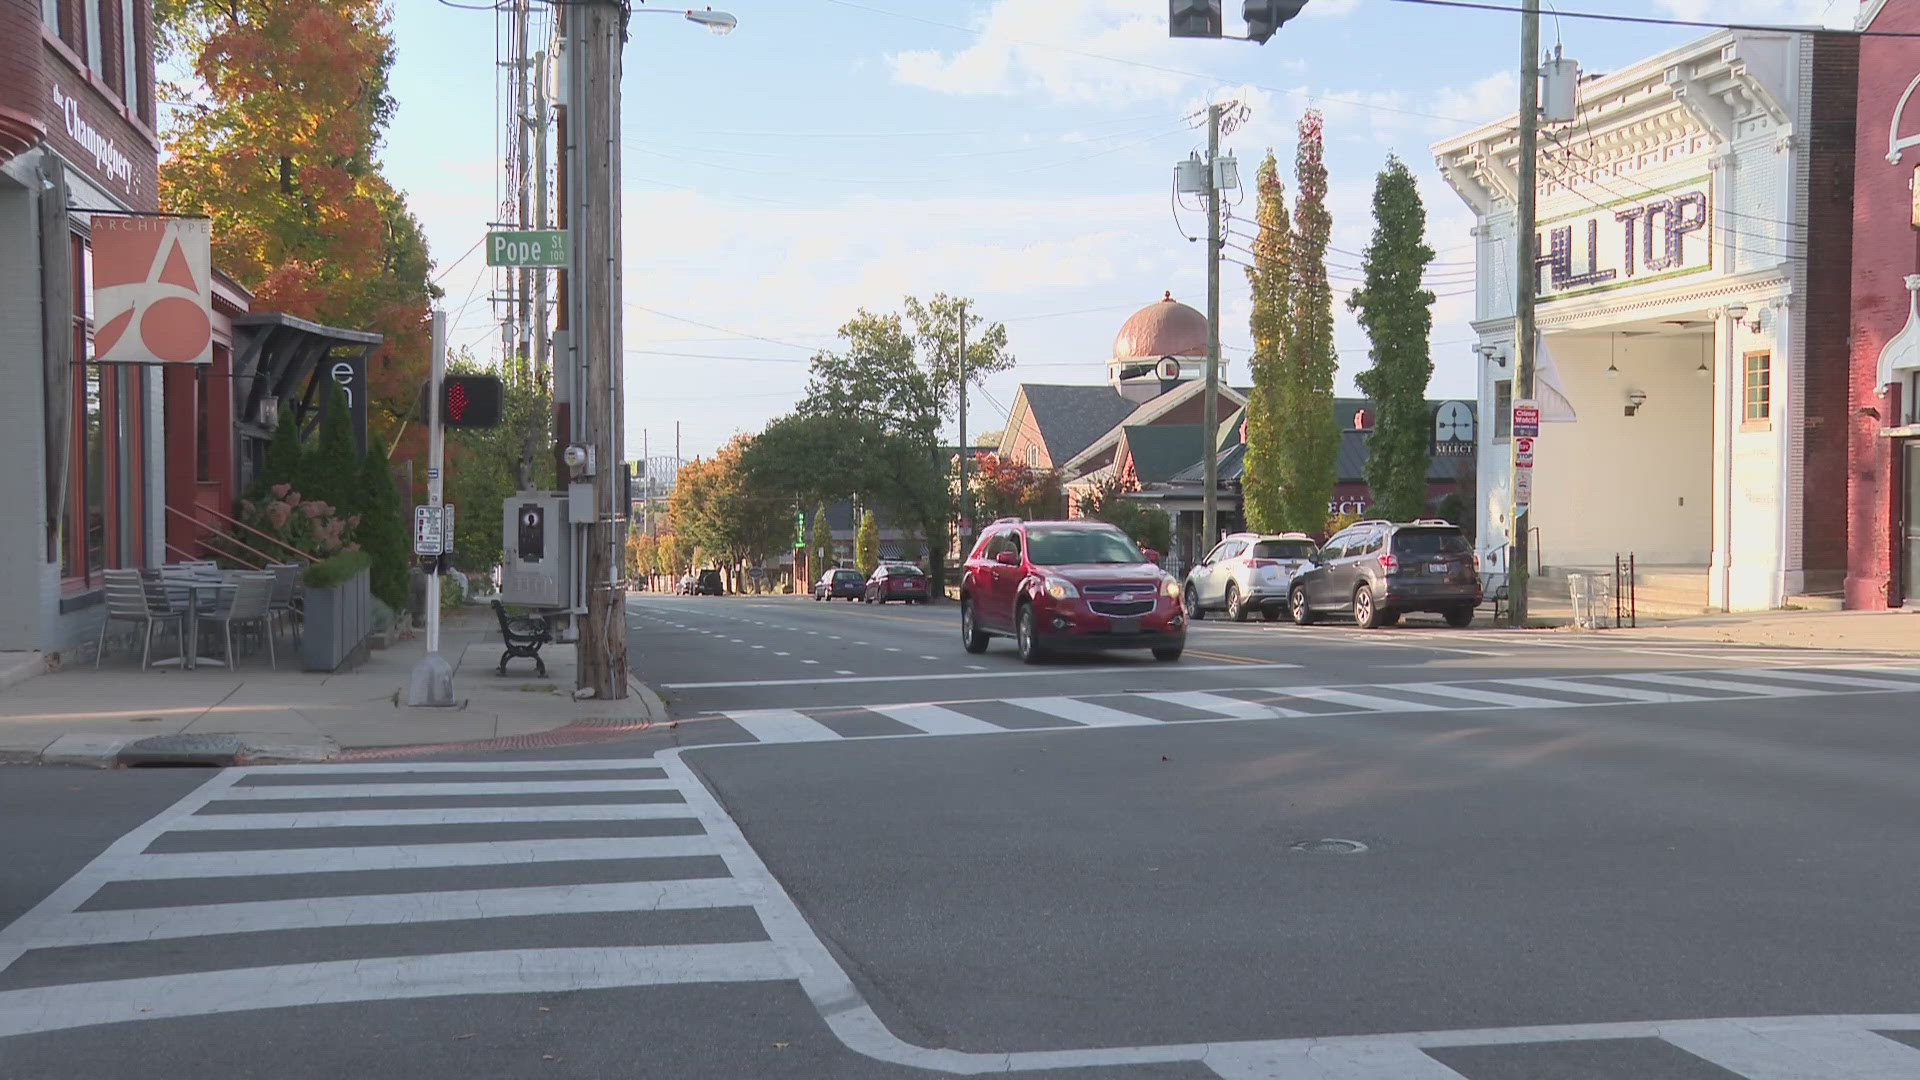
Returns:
<point x="1266" y="16"/>
<point x="469" y="401"/>
<point x="1193" y="18"/>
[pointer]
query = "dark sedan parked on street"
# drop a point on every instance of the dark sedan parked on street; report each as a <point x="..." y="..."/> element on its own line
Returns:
<point x="840" y="584"/>
<point x="897" y="581"/>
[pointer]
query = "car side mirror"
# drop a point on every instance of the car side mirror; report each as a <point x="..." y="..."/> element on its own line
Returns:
<point x="1152" y="556"/>
<point x="1007" y="558"/>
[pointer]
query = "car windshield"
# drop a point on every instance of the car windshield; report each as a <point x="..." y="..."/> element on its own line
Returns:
<point x="903" y="571"/>
<point x="1059" y="547"/>
<point x="848" y="575"/>
<point x="1422" y="543"/>
<point x="1283" y="549"/>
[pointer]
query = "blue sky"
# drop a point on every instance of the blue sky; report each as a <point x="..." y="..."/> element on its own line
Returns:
<point x="836" y="154"/>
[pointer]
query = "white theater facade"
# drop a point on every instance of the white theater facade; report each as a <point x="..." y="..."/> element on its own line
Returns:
<point x="1681" y="370"/>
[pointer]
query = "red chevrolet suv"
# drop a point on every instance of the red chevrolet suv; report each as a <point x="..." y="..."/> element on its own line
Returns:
<point x="1068" y="585"/>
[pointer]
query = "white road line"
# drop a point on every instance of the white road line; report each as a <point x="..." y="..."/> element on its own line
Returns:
<point x="212" y="864"/>
<point x="308" y="913"/>
<point x="783" y="725"/>
<point x="1605" y="690"/>
<point x="1757" y="1053"/>
<point x="1748" y="688"/>
<point x="809" y="661"/>
<point x="1483" y="697"/>
<point x="1022" y="673"/>
<point x="936" y="719"/>
<point x="836" y="673"/>
<point x="1383" y="1060"/>
<point x="778" y="653"/>
<point x="387" y="978"/>
<point x="929" y="658"/>
<point x="1353" y="699"/>
<point x="759" y="646"/>
<point x="392" y="791"/>
<point x="1222" y="705"/>
<point x="457" y="815"/>
<point x="610" y="765"/>
<point x="1851" y="682"/>
<point x="1083" y="712"/>
<point x="890" y="648"/>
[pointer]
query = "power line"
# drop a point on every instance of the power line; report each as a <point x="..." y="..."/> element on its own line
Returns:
<point x="1291" y="91"/>
<point x="720" y="329"/>
<point x="1652" y="20"/>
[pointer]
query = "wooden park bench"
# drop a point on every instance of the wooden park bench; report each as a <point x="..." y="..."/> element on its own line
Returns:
<point x="523" y="637"/>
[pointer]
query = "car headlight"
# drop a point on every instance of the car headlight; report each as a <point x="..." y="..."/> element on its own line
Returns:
<point x="1060" y="589"/>
<point x="1170" y="588"/>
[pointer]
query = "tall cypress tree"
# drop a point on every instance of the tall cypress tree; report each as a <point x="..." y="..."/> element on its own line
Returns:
<point x="1306" y="433"/>
<point x="284" y="457"/>
<point x="330" y="471"/>
<point x="1398" y="316"/>
<point x="383" y="530"/>
<point x="1271" y="281"/>
<point x="821" y="552"/>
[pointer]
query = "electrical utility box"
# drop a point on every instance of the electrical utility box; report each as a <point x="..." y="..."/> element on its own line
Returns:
<point x="538" y="571"/>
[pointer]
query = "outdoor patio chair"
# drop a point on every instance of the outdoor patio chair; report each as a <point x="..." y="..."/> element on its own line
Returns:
<point x="523" y="637"/>
<point x="251" y="602"/>
<point x="285" y="602"/>
<point x="129" y="598"/>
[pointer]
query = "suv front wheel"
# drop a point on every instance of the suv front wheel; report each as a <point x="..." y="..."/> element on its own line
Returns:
<point x="1027" y="635"/>
<point x="972" y="638"/>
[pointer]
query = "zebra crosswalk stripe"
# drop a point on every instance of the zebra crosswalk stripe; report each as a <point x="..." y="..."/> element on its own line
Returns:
<point x="1478" y="696"/>
<point x="1757" y="1053"/>
<point x="784" y="725"/>
<point x="460" y="815"/>
<point x="1606" y="690"/>
<point x="1222" y="705"/>
<point x="324" y="860"/>
<point x="935" y="719"/>
<point x="1357" y="700"/>
<point x="1751" y="689"/>
<point x="1085" y="713"/>
<point x="255" y="916"/>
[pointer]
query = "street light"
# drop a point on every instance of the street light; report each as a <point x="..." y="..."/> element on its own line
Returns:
<point x="719" y="22"/>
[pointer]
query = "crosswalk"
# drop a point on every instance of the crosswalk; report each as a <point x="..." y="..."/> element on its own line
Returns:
<point x="986" y="716"/>
<point x="350" y="868"/>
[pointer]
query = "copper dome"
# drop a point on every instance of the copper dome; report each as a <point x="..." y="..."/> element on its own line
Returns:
<point x="1166" y="328"/>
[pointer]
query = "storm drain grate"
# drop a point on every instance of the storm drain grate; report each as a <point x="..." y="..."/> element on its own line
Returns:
<point x="1328" y="846"/>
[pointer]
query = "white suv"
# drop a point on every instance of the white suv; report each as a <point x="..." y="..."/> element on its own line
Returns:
<point x="1248" y="572"/>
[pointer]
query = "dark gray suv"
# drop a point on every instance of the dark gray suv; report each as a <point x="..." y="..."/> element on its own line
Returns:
<point x="1380" y="570"/>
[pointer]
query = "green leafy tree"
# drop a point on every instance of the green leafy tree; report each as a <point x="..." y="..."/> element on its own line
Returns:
<point x="727" y="518"/>
<point x="820" y="554"/>
<point x="1397" y="313"/>
<point x="891" y="387"/>
<point x="866" y="543"/>
<point x="382" y="532"/>
<point x="483" y="466"/>
<point x="1305" y="434"/>
<point x="1106" y="501"/>
<point x="1271" y="279"/>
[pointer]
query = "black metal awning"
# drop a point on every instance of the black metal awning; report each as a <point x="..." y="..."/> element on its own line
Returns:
<point x="280" y="364"/>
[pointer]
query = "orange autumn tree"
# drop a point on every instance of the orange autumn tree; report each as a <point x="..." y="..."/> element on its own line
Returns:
<point x="275" y="137"/>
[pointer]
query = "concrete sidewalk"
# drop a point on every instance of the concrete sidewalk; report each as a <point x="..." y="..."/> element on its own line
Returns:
<point x="1894" y="631"/>
<point x="80" y="716"/>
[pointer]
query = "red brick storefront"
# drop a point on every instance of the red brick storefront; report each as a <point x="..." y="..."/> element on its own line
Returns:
<point x="1886" y="249"/>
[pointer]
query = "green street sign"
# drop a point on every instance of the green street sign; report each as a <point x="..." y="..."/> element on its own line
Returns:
<point x="527" y="247"/>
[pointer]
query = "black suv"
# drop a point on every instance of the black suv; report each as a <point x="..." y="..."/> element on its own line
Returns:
<point x="1380" y="570"/>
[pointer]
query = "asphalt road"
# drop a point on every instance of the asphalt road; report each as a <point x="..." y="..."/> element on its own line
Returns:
<point x="1412" y="854"/>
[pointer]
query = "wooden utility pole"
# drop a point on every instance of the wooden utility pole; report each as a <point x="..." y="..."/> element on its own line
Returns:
<point x="597" y="31"/>
<point x="1527" y="278"/>
<point x="1210" y="420"/>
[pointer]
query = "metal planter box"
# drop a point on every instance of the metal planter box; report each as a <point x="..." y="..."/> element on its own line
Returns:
<point x="337" y="624"/>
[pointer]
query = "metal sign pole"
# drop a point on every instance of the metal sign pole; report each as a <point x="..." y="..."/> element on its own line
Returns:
<point x="432" y="681"/>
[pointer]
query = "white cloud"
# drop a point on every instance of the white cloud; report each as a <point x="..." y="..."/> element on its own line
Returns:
<point x="1007" y="58"/>
<point x="1835" y="13"/>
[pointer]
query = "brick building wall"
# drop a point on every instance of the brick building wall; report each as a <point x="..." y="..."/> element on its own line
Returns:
<point x="1886" y="248"/>
<point x="1835" y="79"/>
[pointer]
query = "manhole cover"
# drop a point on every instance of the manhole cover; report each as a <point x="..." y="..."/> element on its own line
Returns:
<point x="212" y="750"/>
<point x="1328" y="846"/>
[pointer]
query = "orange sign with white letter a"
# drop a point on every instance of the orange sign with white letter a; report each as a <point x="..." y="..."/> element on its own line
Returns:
<point x="152" y="290"/>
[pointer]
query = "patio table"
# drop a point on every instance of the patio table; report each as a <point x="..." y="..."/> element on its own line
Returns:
<point x="190" y="647"/>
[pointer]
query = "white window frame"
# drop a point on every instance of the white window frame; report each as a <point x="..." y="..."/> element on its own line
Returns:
<point x="94" y="49"/>
<point x="1033" y="456"/>
<point x="129" y="58"/>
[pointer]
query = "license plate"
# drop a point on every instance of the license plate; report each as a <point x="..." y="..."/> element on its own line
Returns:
<point x="1124" y="626"/>
<point x="1436" y="568"/>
